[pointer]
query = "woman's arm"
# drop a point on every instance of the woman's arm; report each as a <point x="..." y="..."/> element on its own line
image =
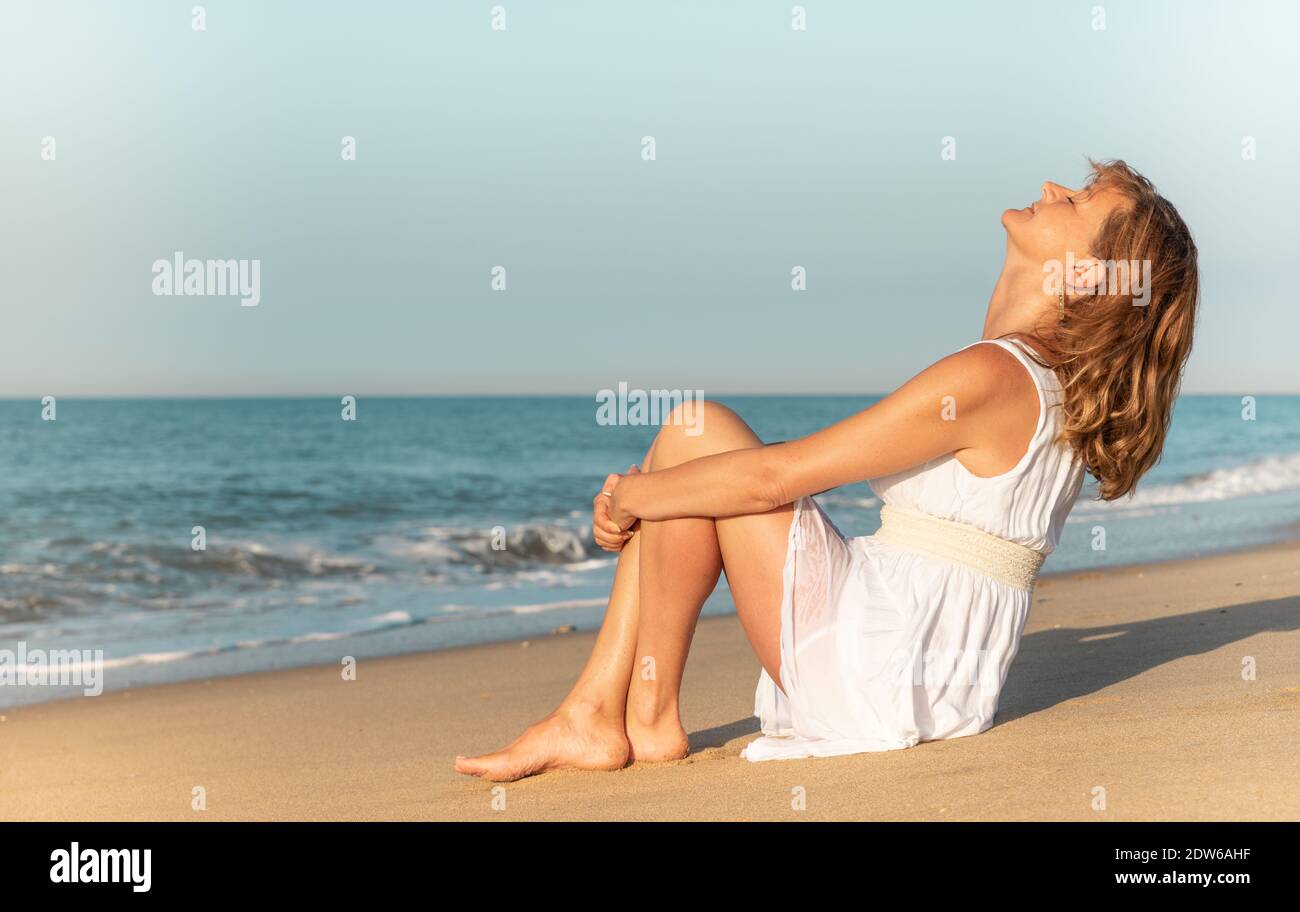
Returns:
<point x="911" y="426"/>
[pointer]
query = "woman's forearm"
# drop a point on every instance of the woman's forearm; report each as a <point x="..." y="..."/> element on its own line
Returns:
<point x="901" y="431"/>
<point x="726" y="484"/>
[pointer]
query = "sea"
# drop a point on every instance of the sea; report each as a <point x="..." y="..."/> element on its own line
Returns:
<point x="429" y="523"/>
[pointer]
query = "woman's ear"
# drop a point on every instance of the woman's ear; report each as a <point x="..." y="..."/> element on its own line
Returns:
<point x="1086" y="276"/>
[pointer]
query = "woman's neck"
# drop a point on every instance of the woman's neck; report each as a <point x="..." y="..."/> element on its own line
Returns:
<point x="1018" y="302"/>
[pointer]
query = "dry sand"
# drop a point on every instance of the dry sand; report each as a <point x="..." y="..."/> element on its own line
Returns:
<point x="1128" y="680"/>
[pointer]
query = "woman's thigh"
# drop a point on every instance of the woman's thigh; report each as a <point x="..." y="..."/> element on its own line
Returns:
<point x="754" y="546"/>
<point x="753" y="556"/>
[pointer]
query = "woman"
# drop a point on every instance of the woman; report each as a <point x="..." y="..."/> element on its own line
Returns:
<point x="880" y="642"/>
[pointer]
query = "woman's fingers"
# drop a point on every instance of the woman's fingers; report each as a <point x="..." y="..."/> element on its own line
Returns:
<point x="600" y="516"/>
<point x="605" y="530"/>
<point x="606" y="533"/>
<point x="623" y="535"/>
<point x="614" y="542"/>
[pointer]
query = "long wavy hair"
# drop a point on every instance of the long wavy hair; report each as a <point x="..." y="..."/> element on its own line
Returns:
<point x="1120" y="361"/>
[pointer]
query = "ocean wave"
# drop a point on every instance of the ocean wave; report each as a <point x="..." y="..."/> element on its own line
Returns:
<point x="380" y="623"/>
<point x="524" y="545"/>
<point x="432" y="551"/>
<point x="557" y="606"/>
<point x="1270" y="475"/>
<point x="71" y="575"/>
<point x="134" y="562"/>
<point x="838" y="499"/>
<point x="29" y="607"/>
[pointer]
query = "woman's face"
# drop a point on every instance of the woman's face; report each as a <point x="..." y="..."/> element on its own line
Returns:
<point x="1061" y="220"/>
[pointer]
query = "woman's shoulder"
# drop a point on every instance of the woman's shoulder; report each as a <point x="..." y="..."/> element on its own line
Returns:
<point x="994" y="364"/>
<point x="1009" y="385"/>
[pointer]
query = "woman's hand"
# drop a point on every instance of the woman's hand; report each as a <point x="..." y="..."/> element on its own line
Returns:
<point x="610" y="527"/>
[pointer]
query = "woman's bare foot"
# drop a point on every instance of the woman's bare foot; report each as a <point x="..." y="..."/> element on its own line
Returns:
<point x="575" y="736"/>
<point x="663" y="739"/>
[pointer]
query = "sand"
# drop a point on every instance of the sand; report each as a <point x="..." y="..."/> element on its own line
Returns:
<point x="1129" y="680"/>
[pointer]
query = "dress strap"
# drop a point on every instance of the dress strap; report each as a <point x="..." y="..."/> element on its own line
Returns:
<point x="1041" y="373"/>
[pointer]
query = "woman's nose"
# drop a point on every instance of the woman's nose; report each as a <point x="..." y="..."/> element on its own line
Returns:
<point x="1053" y="191"/>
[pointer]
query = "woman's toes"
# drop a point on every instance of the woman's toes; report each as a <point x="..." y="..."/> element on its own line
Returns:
<point x="559" y="742"/>
<point x="470" y="766"/>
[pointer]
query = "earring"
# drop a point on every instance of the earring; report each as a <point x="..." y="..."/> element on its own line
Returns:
<point x="1060" y="306"/>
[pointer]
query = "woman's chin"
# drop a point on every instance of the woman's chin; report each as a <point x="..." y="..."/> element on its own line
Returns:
<point x="1016" y="217"/>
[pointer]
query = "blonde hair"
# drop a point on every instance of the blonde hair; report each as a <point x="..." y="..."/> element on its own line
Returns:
<point x="1120" y="362"/>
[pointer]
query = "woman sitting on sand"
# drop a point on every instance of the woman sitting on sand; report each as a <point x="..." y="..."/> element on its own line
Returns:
<point x="879" y="642"/>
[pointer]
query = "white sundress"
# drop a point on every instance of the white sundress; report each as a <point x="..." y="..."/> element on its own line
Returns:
<point x="883" y="647"/>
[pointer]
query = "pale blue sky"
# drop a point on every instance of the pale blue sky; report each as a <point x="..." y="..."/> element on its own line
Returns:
<point x="521" y="148"/>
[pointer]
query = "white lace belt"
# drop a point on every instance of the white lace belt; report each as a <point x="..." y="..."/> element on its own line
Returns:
<point x="1005" y="561"/>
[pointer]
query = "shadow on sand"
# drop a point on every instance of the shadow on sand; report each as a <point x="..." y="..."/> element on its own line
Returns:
<point x="1057" y="665"/>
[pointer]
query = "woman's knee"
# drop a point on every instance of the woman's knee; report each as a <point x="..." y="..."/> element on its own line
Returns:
<point x="699" y="428"/>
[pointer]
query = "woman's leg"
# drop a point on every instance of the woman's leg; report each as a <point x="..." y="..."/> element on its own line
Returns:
<point x="679" y="567"/>
<point x="586" y="731"/>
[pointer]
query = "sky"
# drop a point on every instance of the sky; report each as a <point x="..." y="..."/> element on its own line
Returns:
<point x="523" y="148"/>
